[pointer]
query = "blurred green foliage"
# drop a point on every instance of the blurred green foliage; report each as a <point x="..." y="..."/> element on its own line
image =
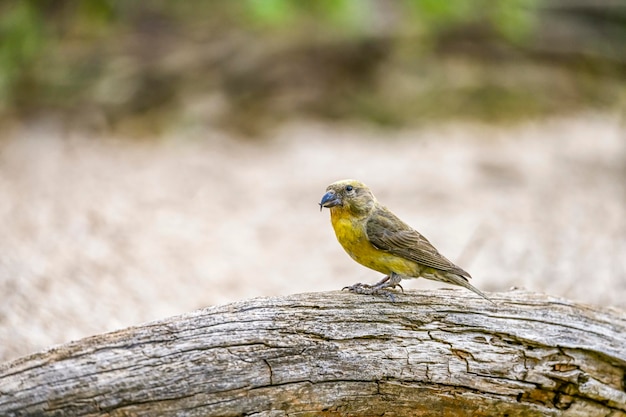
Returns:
<point x="345" y="15"/>
<point x="31" y="29"/>
<point x="512" y="19"/>
<point x="389" y="62"/>
<point x="23" y="39"/>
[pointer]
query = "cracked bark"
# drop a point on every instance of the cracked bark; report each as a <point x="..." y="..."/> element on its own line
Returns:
<point x="433" y="353"/>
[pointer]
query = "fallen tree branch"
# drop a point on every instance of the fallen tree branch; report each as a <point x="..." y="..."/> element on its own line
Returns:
<point x="434" y="353"/>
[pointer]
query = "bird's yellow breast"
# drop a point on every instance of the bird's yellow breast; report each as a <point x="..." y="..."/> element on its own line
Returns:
<point x="351" y="233"/>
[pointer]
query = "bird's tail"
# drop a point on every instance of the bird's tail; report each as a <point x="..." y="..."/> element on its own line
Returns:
<point x="461" y="281"/>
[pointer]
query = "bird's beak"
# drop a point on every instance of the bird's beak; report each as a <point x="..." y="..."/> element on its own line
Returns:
<point x="330" y="199"/>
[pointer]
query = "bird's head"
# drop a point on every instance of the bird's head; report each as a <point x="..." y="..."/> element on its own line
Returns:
<point x="349" y="195"/>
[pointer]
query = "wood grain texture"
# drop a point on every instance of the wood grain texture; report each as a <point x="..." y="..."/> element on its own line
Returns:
<point x="432" y="353"/>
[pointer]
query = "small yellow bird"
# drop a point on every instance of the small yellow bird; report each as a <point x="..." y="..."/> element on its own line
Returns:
<point x="376" y="238"/>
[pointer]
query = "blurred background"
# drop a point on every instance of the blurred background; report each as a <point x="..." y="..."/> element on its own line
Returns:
<point x="159" y="157"/>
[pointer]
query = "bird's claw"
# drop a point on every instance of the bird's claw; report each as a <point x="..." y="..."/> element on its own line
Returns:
<point x="367" y="289"/>
<point x="360" y="288"/>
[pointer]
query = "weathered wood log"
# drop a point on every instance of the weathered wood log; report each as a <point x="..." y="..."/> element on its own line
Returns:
<point x="443" y="352"/>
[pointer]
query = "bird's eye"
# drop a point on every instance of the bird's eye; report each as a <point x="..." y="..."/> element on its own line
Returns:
<point x="349" y="188"/>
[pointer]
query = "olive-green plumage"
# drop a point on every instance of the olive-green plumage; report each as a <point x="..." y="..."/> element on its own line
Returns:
<point x="375" y="237"/>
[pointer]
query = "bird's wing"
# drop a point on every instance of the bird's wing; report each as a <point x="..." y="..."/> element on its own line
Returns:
<point x="388" y="233"/>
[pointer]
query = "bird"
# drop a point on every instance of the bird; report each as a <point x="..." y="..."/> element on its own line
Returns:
<point x="376" y="238"/>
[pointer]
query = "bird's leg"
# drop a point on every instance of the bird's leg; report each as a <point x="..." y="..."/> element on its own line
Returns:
<point x="389" y="281"/>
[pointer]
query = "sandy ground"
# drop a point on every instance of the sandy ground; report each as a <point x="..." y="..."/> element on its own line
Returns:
<point x="102" y="234"/>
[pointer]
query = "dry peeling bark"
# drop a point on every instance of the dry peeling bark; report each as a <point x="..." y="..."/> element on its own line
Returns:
<point x="434" y="353"/>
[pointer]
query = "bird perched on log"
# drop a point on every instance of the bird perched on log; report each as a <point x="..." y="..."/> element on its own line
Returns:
<point x="376" y="238"/>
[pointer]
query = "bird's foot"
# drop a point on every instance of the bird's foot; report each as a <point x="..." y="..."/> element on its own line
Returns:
<point x="391" y="286"/>
<point x="367" y="289"/>
<point x="382" y="287"/>
<point x="360" y="288"/>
